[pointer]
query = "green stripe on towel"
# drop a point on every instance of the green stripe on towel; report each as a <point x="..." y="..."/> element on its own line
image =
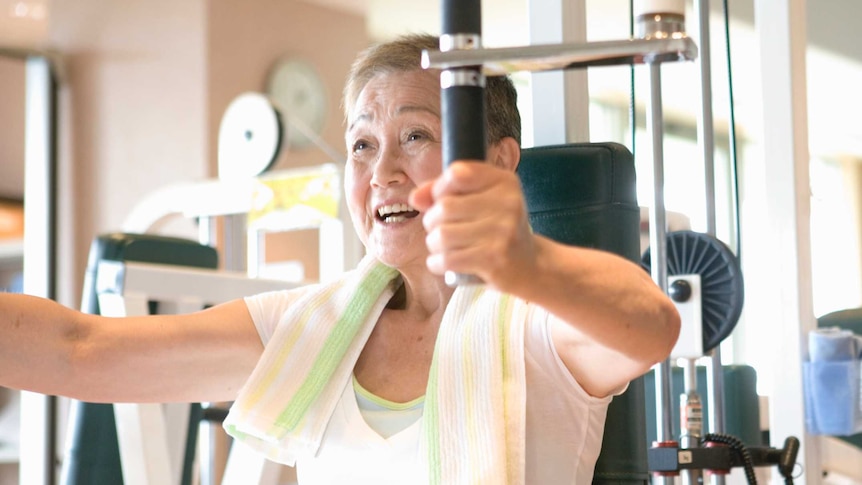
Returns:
<point x="336" y="345"/>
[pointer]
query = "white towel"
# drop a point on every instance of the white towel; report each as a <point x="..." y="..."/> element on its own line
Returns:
<point x="474" y="417"/>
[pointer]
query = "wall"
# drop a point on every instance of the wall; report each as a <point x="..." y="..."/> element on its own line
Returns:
<point x="245" y="40"/>
<point x="12" y="121"/>
<point x="132" y="112"/>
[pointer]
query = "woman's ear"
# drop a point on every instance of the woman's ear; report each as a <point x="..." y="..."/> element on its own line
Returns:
<point x="505" y="153"/>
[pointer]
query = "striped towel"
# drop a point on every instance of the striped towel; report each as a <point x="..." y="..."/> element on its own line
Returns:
<point x="473" y="422"/>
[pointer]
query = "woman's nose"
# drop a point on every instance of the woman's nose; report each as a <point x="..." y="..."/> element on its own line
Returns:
<point x="388" y="169"/>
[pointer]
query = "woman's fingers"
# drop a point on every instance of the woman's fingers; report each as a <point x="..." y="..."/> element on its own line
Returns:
<point x="476" y="222"/>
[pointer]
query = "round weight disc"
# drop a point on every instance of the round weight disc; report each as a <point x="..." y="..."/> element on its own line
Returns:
<point x="249" y="137"/>
<point x="690" y="252"/>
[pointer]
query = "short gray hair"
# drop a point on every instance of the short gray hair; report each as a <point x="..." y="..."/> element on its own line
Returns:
<point x="403" y="54"/>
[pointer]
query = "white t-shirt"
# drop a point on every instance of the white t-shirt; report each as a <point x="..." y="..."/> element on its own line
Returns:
<point x="564" y="424"/>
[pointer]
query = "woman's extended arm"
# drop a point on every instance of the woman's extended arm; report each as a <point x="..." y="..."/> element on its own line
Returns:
<point x="198" y="357"/>
<point x="618" y="323"/>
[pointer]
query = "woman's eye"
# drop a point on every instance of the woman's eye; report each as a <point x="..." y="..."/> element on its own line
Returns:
<point x="415" y="136"/>
<point x="359" y="146"/>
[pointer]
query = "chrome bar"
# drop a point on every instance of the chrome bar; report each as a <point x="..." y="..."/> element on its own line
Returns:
<point x="706" y="140"/>
<point x="658" y="244"/>
<point x="691" y="420"/>
<point x="549" y="57"/>
<point x="705" y="130"/>
<point x="715" y="399"/>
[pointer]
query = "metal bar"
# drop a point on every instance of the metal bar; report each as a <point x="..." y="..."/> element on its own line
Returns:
<point x="706" y="140"/>
<point x="691" y="425"/>
<point x="705" y="129"/>
<point x="658" y="244"/>
<point x="505" y="60"/>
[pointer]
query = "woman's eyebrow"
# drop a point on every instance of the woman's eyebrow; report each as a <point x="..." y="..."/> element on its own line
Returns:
<point x="361" y="117"/>
<point x="407" y="108"/>
<point x="416" y="108"/>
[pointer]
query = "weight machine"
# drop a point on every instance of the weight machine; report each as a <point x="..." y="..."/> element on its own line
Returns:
<point x="660" y="37"/>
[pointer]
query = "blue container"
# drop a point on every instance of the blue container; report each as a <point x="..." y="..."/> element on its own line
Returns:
<point x="832" y="405"/>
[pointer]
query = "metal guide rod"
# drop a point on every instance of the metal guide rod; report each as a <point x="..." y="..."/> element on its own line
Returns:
<point x="706" y="136"/>
<point x="692" y="429"/>
<point x="653" y="21"/>
<point x="705" y="129"/>
<point x="691" y="420"/>
<point x="658" y="244"/>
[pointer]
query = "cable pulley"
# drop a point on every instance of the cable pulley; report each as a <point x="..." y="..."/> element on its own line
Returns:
<point x="721" y="284"/>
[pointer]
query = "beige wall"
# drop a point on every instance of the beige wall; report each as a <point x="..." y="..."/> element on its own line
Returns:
<point x="132" y="111"/>
<point x="12" y="134"/>
<point x="244" y="40"/>
<point x="145" y="83"/>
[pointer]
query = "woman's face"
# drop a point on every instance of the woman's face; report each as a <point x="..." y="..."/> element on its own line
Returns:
<point x="393" y="144"/>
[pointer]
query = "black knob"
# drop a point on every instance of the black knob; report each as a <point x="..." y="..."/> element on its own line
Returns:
<point x="680" y="291"/>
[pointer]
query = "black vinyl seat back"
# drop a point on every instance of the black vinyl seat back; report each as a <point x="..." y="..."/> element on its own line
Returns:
<point x="584" y="194"/>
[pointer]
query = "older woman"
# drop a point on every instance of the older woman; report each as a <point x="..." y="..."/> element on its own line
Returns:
<point x="388" y="375"/>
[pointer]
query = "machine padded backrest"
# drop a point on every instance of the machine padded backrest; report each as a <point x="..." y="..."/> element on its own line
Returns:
<point x="585" y="195"/>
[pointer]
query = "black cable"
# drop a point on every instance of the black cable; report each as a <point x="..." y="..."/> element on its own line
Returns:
<point x="739" y="447"/>
<point x="734" y="164"/>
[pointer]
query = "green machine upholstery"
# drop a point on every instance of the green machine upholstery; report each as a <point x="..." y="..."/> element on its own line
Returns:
<point x="850" y="319"/>
<point x="585" y="195"/>
<point x="93" y="454"/>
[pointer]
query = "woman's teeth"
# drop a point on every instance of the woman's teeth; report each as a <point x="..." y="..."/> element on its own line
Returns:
<point x="394" y="212"/>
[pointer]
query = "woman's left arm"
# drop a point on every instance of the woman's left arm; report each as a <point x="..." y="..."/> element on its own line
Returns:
<point x="614" y="321"/>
